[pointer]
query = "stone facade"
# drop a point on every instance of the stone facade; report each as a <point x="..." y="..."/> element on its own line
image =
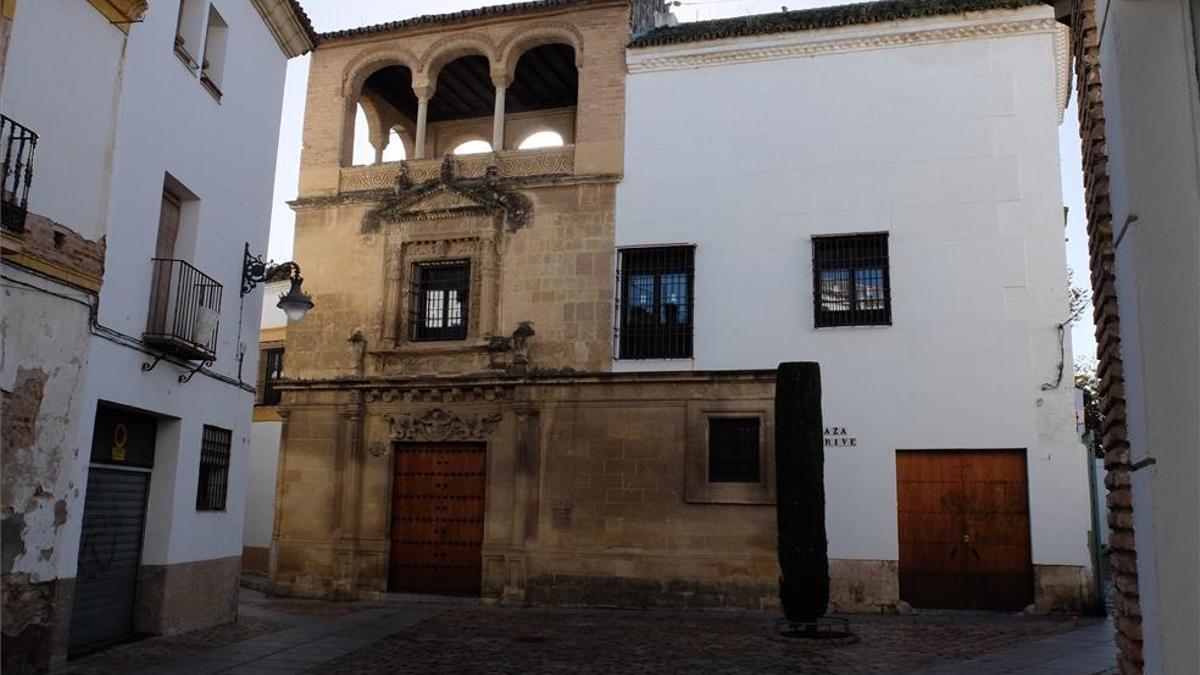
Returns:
<point x="596" y="489"/>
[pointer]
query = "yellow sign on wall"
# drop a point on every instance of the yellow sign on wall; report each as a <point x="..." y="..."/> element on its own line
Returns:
<point x="120" y="438"/>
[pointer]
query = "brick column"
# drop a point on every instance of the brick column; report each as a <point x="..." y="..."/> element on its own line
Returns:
<point x="1122" y="554"/>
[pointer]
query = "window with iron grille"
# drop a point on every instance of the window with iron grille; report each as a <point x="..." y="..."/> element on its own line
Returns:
<point x="851" y="286"/>
<point x="438" y="300"/>
<point x="733" y="455"/>
<point x="272" y="360"/>
<point x="654" y="303"/>
<point x="214" y="469"/>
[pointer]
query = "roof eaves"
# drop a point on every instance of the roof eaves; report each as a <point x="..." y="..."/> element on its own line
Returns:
<point x="817" y="18"/>
<point x="510" y="9"/>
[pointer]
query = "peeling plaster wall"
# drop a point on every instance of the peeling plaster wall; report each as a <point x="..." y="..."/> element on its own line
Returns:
<point x="45" y="343"/>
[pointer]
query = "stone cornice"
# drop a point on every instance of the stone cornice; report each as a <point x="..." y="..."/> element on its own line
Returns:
<point x="288" y="25"/>
<point x="374" y="196"/>
<point x="1000" y="23"/>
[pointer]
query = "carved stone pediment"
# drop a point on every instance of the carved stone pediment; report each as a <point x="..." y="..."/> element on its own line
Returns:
<point x="438" y="424"/>
<point x="450" y="196"/>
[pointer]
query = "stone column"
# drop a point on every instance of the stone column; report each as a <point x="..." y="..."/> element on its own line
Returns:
<point x="422" y="113"/>
<point x="500" y="82"/>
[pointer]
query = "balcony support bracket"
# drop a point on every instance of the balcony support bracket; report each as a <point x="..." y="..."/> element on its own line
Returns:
<point x="183" y="379"/>
<point x="147" y="367"/>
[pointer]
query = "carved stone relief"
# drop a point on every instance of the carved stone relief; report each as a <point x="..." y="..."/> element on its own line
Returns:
<point x="438" y="424"/>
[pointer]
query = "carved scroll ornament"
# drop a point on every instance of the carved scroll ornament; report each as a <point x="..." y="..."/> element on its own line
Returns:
<point x="438" y="424"/>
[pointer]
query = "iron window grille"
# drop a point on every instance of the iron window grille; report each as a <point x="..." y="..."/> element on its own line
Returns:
<point x="851" y="282"/>
<point x="654" y="303"/>
<point x="733" y="452"/>
<point x="214" y="469"/>
<point x="18" y="144"/>
<point x="438" y="298"/>
<point x="272" y="372"/>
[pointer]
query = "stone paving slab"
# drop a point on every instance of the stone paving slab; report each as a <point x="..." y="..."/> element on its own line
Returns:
<point x="1088" y="650"/>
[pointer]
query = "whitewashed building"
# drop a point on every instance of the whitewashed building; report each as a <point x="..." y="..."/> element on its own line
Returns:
<point x="883" y="199"/>
<point x="127" y="341"/>
<point x="1141" y="120"/>
<point x="265" y="434"/>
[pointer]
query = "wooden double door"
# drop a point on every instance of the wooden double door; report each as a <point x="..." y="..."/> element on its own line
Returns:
<point x="964" y="529"/>
<point x="438" y="498"/>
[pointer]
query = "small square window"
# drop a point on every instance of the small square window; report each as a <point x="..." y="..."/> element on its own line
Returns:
<point x="214" y="469"/>
<point x="438" y="303"/>
<point x="851" y="283"/>
<point x="733" y="453"/>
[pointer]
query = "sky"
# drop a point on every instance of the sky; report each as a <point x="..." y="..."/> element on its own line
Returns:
<point x="330" y="15"/>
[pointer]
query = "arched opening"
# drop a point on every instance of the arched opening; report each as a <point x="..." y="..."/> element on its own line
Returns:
<point x="363" y="152"/>
<point x="541" y="139"/>
<point x="462" y="105"/>
<point x="395" y="150"/>
<point x="386" y="103"/>
<point x="543" y="96"/>
<point x="473" y="147"/>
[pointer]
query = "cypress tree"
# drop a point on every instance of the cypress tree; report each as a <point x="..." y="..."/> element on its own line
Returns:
<point x="800" y="490"/>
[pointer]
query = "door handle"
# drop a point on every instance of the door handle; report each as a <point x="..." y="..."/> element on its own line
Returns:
<point x="966" y="538"/>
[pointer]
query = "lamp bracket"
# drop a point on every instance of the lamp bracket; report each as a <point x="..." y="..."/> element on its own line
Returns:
<point x="255" y="270"/>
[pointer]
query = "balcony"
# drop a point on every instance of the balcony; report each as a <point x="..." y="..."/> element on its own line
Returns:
<point x="185" y="310"/>
<point x="17" y="144"/>
<point x="509" y="164"/>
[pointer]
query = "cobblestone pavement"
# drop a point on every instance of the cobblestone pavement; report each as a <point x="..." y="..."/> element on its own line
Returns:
<point x="482" y="640"/>
<point x="289" y="636"/>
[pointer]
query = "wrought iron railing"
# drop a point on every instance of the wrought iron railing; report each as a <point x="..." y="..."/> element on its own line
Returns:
<point x="185" y="310"/>
<point x="17" y="143"/>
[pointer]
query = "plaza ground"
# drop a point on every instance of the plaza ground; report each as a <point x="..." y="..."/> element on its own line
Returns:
<point x="456" y="636"/>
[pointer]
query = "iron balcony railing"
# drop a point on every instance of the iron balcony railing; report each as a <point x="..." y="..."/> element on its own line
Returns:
<point x="17" y="143"/>
<point x="185" y="310"/>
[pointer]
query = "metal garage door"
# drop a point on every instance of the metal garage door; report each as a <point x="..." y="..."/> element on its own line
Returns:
<point x="110" y="552"/>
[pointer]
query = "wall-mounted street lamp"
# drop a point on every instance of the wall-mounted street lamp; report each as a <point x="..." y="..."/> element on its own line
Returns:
<point x="295" y="303"/>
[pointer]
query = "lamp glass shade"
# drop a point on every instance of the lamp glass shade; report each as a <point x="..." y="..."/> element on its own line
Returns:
<point x="295" y="304"/>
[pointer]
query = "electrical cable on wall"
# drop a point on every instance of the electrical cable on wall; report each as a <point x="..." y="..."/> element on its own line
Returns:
<point x="1062" y="348"/>
<point x="115" y="336"/>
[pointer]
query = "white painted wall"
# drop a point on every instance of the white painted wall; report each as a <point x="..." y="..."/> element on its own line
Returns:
<point x="950" y="147"/>
<point x="224" y="153"/>
<point x="264" y="444"/>
<point x="272" y="316"/>
<point x="261" y="473"/>
<point x="64" y="58"/>
<point x="44" y="327"/>
<point x="1152" y="111"/>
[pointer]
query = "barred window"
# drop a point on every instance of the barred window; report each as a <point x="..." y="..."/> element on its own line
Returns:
<point x="654" y="305"/>
<point x="438" y="302"/>
<point x="851" y="286"/>
<point x="272" y="360"/>
<point x="214" y="469"/>
<point x="733" y="455"/>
